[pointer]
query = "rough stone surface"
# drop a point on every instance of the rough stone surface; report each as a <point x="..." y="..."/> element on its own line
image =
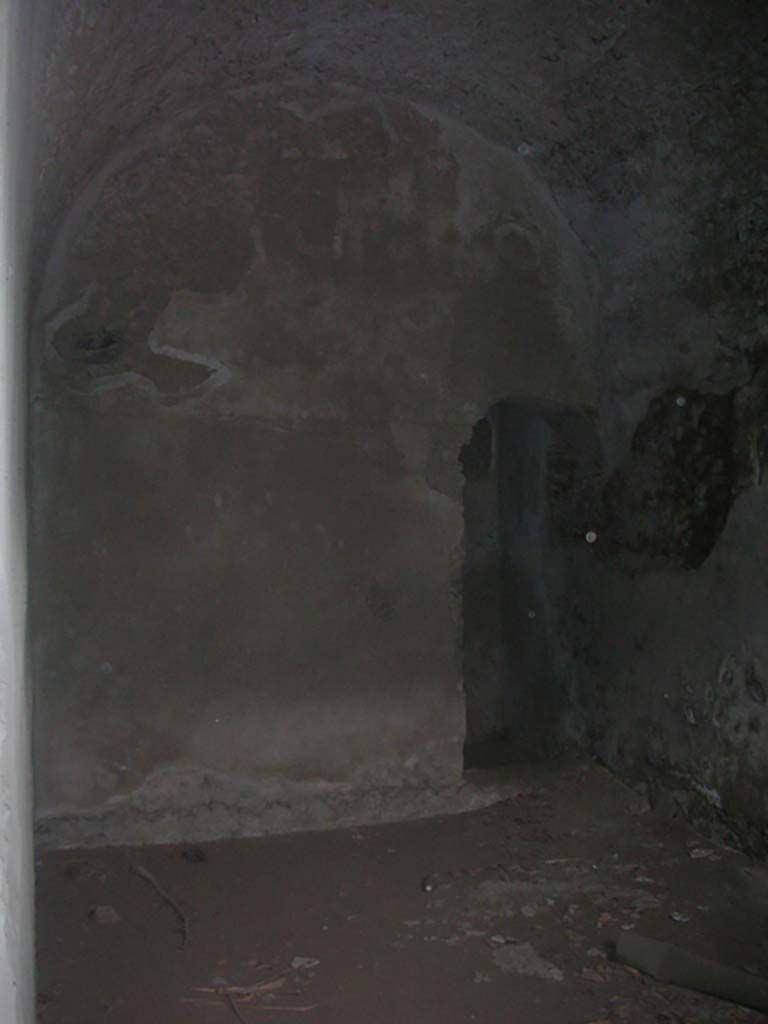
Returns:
<point x="666" y="617"/>
<point x="163" y="313"/>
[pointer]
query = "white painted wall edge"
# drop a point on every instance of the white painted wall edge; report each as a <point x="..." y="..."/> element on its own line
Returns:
<point x="17" y="997"/>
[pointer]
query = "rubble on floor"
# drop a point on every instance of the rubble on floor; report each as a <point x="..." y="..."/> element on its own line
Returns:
<point x="508" y="914"/>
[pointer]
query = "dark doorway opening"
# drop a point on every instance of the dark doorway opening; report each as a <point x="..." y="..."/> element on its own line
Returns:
<point x="512" y="585"/>
<point x="486" y="732"/>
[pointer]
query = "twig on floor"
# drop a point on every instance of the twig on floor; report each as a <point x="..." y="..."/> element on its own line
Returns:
<point x="287" y="1009"/>
<point x="265" y="1009"/>
<point x="232" y="1005"/>
<point x="234" y="994"/>
<point x="244" y="993"/>
<point x="150" y="878"/>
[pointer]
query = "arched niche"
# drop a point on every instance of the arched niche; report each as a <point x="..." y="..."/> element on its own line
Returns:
<point x="264" y="335"/>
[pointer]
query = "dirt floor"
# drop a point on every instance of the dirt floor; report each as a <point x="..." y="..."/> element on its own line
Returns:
<point x="502" y="915"/>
